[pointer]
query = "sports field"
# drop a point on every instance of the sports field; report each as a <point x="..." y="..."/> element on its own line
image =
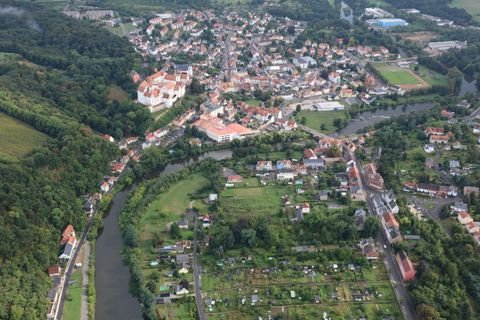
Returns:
<point x="404" y="78"/>
<point x="18" y="139"/>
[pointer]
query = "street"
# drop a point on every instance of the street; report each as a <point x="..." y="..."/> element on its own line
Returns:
<point x="390" y="262"/>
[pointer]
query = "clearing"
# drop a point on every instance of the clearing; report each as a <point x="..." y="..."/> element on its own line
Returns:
<point x="115" y="93"/>
<point x="18" y="139"/>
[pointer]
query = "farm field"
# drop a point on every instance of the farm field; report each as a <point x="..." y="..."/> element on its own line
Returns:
<point x="471" y="6"/>
<point x="18" y="139"/>
<point x="404" y="78"/>
<point x="315" y="119"/>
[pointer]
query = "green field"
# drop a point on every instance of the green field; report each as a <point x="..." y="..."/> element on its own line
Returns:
<point x="431" y="77"/>
<point x="316" y="118"/>
<point x="170" y="206"/>
<point x="471" y="6"/>
<point x="73" y="302"/>
<point x="396" y="76"/>
<point x="18" y="139"/>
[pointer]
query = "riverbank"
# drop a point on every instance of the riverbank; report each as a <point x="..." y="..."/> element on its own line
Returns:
<point x="112" y="276"/>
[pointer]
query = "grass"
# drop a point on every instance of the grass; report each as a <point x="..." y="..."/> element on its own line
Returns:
<point x="18" y="139"/>
<point x="115" y="93"/>
<point x="73" y="302"/>
<point x="395" y="75"/>
<point x="315" y="119"/>
<point x="433" y="78"/>
<point x="170" y="206"/>
<point x="253" y="102"/>
<point x="471" y="6"/>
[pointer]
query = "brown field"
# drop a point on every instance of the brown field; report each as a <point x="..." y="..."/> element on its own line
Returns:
<point x="421" y="36"/>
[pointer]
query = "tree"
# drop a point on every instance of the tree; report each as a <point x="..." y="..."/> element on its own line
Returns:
<point x="303" y="120"/>
<point x="298" y="108"/>
<point x="426" y="312"/>
<point x="248" y="237"/>
<point x="175" y="231"/>
<point x="371" y="228"/>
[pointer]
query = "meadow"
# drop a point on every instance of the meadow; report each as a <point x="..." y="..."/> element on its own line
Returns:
<point x="73" y="302"/>
<point x="18" y="139"/>
<point x="397" y="76"/>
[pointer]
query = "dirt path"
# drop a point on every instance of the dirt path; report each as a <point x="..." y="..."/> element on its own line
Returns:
<point x="85" y="262"/>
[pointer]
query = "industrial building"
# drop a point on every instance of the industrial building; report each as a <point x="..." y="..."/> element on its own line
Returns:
<point x="390" y="23"/>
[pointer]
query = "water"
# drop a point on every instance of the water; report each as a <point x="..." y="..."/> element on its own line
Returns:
<point x="370" y="118"/>
<point x="112" y="277"/>
<point x="349" y="18"/>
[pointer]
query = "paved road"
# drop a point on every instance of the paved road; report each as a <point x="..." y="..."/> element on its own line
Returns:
<point x="391" y="265"/>
<point x="85" y="266"/>
<point x="196" y="276"/>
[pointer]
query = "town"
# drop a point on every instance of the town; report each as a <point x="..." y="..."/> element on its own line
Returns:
<point x="310" y="159"/>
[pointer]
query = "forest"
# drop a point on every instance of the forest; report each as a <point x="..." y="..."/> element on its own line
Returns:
<point x="54" y="75"/>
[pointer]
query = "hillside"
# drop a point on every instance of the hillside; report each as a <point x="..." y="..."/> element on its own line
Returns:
<point x="55" y="73"/>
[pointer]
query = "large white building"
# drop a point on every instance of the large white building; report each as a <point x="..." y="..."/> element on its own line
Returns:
<point x="162" y="89"/>
<point x="219" y="132"/>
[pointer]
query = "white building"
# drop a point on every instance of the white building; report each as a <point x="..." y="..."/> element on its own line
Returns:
<point x="162" y="89"/>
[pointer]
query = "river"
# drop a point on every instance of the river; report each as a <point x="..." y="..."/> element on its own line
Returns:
<point x="370" y="118"/>
<point x="112" y="277"/>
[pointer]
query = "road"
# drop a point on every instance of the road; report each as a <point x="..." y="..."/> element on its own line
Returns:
<point x="196" y="276"/>
<point x="390" y="262"/>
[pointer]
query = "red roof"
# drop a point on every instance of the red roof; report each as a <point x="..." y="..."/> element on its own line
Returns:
<point x="390" y="220"/>
<point x="53" y="271"/>
<point x="67" y="233"/>
<point x="309" y="154"/>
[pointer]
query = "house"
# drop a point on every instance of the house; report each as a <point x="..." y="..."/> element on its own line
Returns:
<point x="255" y="299"/>
<point x="212" y="197"/>
<point x="359" y="218"/>
<point x="182" y="288"/>
<point x="108" y="138"/>
<point x="309" y="154"/>
<point x="234" y="179"/>
<point x="304" y="207"/>
<point x="436" y="131"/>
<point x="284" y="164"/>
<point x="323" y="195"/>
<point x="182" y="259"/>
<point x="68" y="250"/>
<point x="464" y="217"/>
<point x="439" y="139"/>
<point x="454" y="164"/>
<point x="373" y="178"/>
<point x="476" y="238"/>
<point x="264" y="166"/>
<point x="286" y="175"/>
<point x="105" y="187"/>
<point x="334" y="77"/>
<point x="459" y="206"/>
<point x="67" y="234"/>
<point x="472" y="227"/>
<point x="183" y="224"/>
<point x="54" y="271"/>
<point x="314" y="163"/>
<point x="206" y="220"/>
<point x="429" y="148"/>
<point x="368" y="250"/>
<point x="406" y="266"/>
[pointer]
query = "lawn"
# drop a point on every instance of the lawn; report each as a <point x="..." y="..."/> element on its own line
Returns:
<point x="315" y="119"/>
<point x="471" y="6"/>
<point x="73" y="302"/>
<point x="169" y="206"/>
<point x="397" y="76"/>
<point x="253" y="201"/>
<point x="433" y="78"/>
<point x="253" y="102"/>
<point x="18" y="139"/>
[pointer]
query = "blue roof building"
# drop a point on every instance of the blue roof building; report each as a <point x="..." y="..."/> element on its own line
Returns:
<point x="390" y="23"/>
